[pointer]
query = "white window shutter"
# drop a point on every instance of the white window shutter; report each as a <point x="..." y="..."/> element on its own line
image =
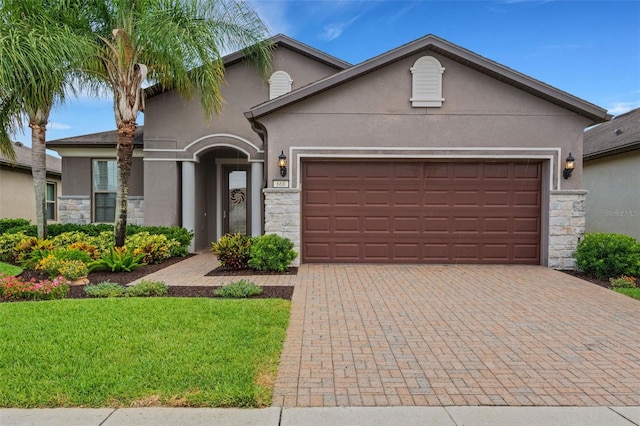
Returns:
<point x="426" y="88"/>
<point x="279" y="84"/>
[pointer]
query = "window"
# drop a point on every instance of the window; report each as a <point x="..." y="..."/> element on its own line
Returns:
<point x="104" y="190"/>
<point x="279" y="84"/>
<point x="50" y="199"/>
<point x="426" y="88"/>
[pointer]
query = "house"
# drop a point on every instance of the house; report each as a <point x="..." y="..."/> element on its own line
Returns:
<point x="428" y="153"/>
<point x="17" y="195"/>
<point x="612" y="175"/>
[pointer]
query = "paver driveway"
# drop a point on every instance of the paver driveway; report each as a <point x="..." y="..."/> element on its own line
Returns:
<point x="457" y="335"/>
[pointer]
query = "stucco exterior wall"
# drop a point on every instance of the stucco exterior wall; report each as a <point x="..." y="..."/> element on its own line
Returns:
<point x="176" y="122"/>
<point x="374" y="111"/>
<point x="17" y="195"/>
<point x="613" y="203"/>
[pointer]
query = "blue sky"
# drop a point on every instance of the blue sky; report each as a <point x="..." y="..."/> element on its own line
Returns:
<point x="590" y="49"/>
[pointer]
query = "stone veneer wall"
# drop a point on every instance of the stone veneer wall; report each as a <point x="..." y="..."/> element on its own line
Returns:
<point x="566" y="227"/>
<point x="77" y="209"/>
<point x="282" y="215"/>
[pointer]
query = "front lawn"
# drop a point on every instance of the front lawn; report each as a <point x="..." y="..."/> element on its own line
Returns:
<point x="140" y="352"/>
<point x="9" y="270"/>
<point x="631" y="292"/>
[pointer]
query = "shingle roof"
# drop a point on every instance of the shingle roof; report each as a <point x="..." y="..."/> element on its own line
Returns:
<point x="452" y="51"/>
<point x="23" y="159"/>
<point x="95" y="139"/>
<point x="622" y="134"/>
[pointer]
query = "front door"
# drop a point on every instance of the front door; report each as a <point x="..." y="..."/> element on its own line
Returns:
<point x="235" y="200"/>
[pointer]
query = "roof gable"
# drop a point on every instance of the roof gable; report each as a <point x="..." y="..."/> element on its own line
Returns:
<point x="449" y="50"/>
<point x="622" y="134"/>
<point x="279" y="40"/>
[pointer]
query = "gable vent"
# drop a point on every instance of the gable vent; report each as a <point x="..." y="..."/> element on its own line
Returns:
<point x="426" y="88"/>
<point x="279" y="84"/>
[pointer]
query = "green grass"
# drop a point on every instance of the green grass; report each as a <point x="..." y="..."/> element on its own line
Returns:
<point x="139" y="352"/>
<point x="631" y="292"/>
<point x="10" y="270"/>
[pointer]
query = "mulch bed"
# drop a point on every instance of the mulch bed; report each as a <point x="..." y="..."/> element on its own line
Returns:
<point x="222" y="271"/>
<point x="589" y="278"/>
<point x="77" y="291"/>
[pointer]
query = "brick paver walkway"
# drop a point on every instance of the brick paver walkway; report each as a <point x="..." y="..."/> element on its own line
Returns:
<point x="378" y="335"/>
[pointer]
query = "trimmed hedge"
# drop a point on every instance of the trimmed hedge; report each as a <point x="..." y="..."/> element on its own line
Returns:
<point x="608" y="255"/>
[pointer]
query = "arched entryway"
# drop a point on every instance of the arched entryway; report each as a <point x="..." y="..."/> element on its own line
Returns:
<point x="222" y="189"/>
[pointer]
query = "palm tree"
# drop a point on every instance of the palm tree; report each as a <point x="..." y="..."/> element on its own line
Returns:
<point x="38" y="52"/>
<point x="174" y="44"/>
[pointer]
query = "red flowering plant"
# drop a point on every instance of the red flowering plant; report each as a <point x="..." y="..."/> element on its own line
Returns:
<point x="16" y="288"/>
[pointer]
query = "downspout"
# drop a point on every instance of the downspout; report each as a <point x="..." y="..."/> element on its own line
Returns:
<point x="259" y="128"/>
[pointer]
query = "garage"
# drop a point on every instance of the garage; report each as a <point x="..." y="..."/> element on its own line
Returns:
<point x="421" y="212"/>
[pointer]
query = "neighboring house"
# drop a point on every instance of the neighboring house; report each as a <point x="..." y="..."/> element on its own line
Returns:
<point x="612" y="175"/>
<point x="17" y="195"/>
<point x="428" y="153"/>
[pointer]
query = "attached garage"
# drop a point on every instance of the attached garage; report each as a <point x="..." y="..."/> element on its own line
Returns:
<point x="421" y="212"/>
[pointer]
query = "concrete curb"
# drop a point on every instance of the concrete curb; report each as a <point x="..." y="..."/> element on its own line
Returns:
<point x="321" y="416"/>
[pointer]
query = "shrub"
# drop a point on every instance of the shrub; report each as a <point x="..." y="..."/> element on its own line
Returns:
<point x="154" y="248"/>
<point x="8" y="243"/>
<point x="15" y="288"/>
<point x="90" y="229"/>
<point x="31" y="247"/>
<point x="623" y="282"/>
<point x="233" y="250"/>
<point x="91" y="250"/>
<point x="271" y="253"/>
<point x="67" y="238"/>
<point x="148" y="288"/>
<point x="608" y="255"/>
<point x="6" y="224"/>
<point x="238" y="290"/>
<point x="105" y="289"/>
<point x="118" y="259"/>
<point x="177" y="233"/>
<point x="69" y="263"/>
<point x="73" y="269"/>
<point x="30" y="230"/>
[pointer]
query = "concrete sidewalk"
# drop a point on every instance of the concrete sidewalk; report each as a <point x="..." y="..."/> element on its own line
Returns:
<point x="320" y="416"/>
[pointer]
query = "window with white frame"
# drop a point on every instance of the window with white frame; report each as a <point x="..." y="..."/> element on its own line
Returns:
<point x="426" y="90"/>
<point x="51" y="196"/>
<point x="279" y="84"/>
<point x="104" y="190"/>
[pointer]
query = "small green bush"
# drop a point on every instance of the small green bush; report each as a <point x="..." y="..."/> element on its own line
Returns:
<point x="105" y="289"/>
<point x="6" y="224"/>
<point x="271" y="253"/>
<point x="238" y="290"/>
<point x="148" y="288"/>
<point x="622" y="282"/>
<point x="90" y="229"/>
<point x="154" y="248"/>
<point x="608" y="255"/>
<point x="118" y="259"/>
<point x="30" y="230"/>
<point x="181" y="235"/>
<point x="233" y="250"/>
<point x="8" y="244"/>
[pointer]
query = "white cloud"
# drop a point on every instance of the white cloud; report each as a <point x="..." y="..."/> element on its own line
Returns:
<point x="273" y="14"/>
<point x="57" y="126"/>
<point x="617" y="108"/>
<point x="333" y="31"/>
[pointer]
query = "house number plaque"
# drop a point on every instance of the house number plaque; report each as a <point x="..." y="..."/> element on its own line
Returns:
<point x="280" y="183"/>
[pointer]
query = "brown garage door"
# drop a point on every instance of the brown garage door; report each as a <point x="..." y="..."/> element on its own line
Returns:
<point x="421" y="212"/>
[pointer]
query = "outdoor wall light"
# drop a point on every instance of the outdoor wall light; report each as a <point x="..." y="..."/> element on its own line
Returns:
<point x="569" y="165"/>
<point x="282" y="163"/>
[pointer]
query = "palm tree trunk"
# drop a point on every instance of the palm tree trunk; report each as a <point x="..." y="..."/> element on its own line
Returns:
<point x="39" y="169"/>
<point x="125" y="136"/>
